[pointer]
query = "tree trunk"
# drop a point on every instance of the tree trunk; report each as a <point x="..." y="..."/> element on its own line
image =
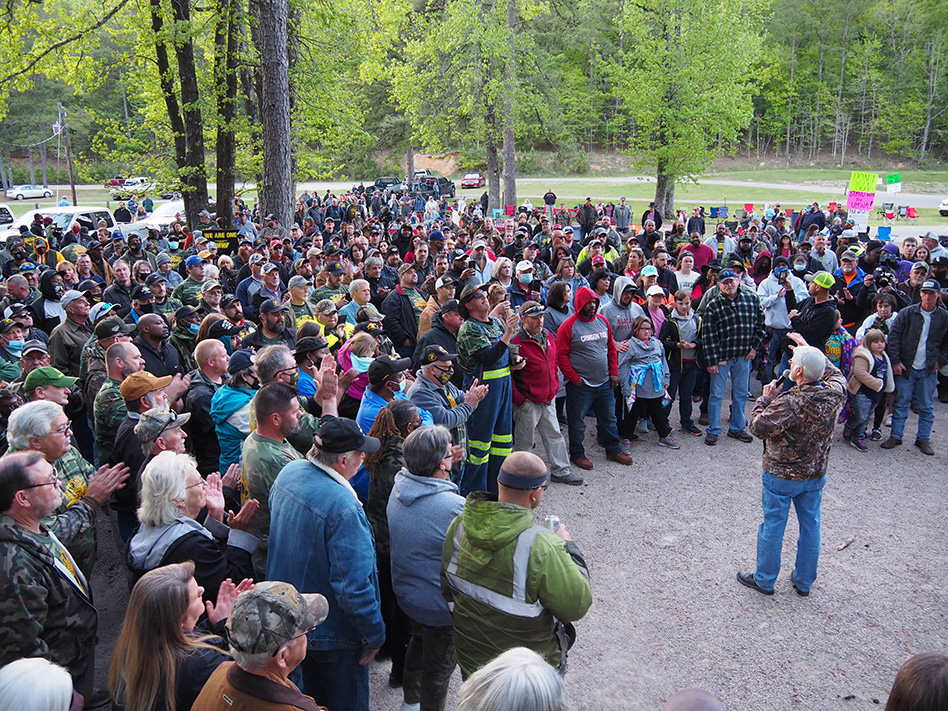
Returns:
<point x="295" y="18"/>
<point x="510" y="145"/>
<point x="128" y="125"/>
<point x="664" y="191"/>
<point x="194" y="174"/>
<point x="276" y="194"/>
<point x="29" y="140"/>
<point x="493" y="179"/>
<point x="793" y="57"/>
<point x="225" y="80"/>
<point x="410" y="160"/>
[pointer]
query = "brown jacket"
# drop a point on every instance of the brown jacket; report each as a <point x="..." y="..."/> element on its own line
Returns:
<point x="797" y="426"/>
<point x="861" y="373"/>
<point x="230" y="688"/>
<point x="424" y="321"/>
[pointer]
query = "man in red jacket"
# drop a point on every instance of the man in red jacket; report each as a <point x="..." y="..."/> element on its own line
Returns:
<point x="534" y="389"/>
<point x="586" y="353"/>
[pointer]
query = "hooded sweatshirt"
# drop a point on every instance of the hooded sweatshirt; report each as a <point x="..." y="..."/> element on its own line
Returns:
<point x="230" y="410"/>
<point x="648" y="368"/>
<point x="620" y="317"/>
<point x="48" y="311"/>
<point x="586" y="351"/>
<point x="420" y="509"/>
<point x="679" y="328"/>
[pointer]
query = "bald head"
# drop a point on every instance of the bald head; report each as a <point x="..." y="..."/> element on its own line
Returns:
<point x="529" y="469"/>
<point x="153" y="326"/>
<point x="693" y="700"/>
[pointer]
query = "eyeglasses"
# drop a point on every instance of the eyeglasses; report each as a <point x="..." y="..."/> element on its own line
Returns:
<point x="202" y="484"/>
<point x="294" y="369"/>
<point x="62" y="430"/>
<point x="545" y="485"/>
<point x="52" y="482"/>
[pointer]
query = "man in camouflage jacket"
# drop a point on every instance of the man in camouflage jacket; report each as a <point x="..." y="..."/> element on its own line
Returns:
<point x="797" y="429"/>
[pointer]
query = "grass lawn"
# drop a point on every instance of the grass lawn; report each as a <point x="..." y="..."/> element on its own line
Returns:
<point x="931" y="181"/>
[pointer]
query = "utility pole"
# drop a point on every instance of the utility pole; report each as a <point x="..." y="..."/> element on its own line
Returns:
<point x="72" y="177"/>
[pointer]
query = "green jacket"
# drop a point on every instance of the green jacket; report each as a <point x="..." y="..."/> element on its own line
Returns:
<point x="188" y="292"/>
<point x="42" y="612"/>
<point x="183" y="341"/>
<point x="109" y="411"/>
<point x="478" y="572"/>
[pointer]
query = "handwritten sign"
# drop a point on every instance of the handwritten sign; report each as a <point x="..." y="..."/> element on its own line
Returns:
<point x="860" y="201"/>
<point x="893" y="183"/>
<point x="863" y="182"/>
<point x="860" y="219"/>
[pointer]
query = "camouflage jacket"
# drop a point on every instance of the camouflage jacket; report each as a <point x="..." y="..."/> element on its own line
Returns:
<point x="108" y="412"/>
<point x="95" y="374"/>
<point x="188" y="292"/>
<point x="183" y="342"/>
<point x="381" y="481"/>
<point x="797" y="426"/>
<point x="260" y="461"/>
<point x="43" y="613"/>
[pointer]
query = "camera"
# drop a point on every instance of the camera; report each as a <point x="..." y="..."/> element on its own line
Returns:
<point x="470" y="264"/>
<point x="884" y="277"/>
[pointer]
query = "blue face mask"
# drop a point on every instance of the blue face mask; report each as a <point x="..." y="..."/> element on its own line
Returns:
<point x="194" y="328"/>
<point x="526" y="278"/>
<point x="781" y="273"/>
<point x="15" y="347"/>
<point x="173" y="245"/>
<point x="360" y="364"/>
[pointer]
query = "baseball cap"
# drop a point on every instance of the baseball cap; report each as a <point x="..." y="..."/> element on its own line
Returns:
<point x="297" y="281"/>
<point x="655" y="290"/>
<point x="70" y="296"/>
<point x="269" y="267"/>
<point x="271" y="614"/>
<point x="140" y="292"/>
<point x="154" y="278"/>
<point x="276" y="242"/>
<point x="436" y="235"/>
<point x="446" y="280"/>
<point x="930" y="285"/>
<point x="469" y="292"/>
<point x="156" y="421"/>
<point x="478" y="243"/>
<point x="597" y="260"/>
<point x="449" y="305"/>
<point x="531" y="308"/>
<point x="6" y="324"/>
<point x="434" y="353"/>
<point x="15" y="310"/>
<point x="112" y="326"/>
<point x="184" y="312"/>
<point x="211" y="284"/>
<point x="240" y="359"/>
<point x="309" y="344"/>
<point x="404" y="268"/>
<point x="334" y="268"/>
<point x="101" y="310"/>
<point x="340" y="434"/>
<point x="384" y="367"/>
<point x="524" y="266"/>
<point x="921" y="265"/>
<point x="140" y="384"/>
<point x="228" y="300"/>
<point x="848" y="256"/>
<point x="270" y="306"/>
<point x="222" y="328"/>
<point x="87" y="285"/>
<point x="326" y="307"/>
<point x="204" y="213"/>
<point x="650" y="270"/>
<point x="727" y="274"/>
<point x="47" y="375"/>
<point x="368" y="313"/>
<point x="194" y="260"/>
<point x="34" y="345"/>
<point x="255" y="259"/>
<point x="821" y="278"/>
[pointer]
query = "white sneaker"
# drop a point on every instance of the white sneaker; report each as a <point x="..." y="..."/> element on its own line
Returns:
<point x="888" y="421"/>
<point x="411" y="707"/>
<point x="625" y="446"/>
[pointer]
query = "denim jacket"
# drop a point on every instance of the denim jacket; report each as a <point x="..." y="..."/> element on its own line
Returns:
<point x="321" y="542"/>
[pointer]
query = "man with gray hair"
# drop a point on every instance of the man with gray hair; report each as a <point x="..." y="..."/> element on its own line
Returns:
<point x="797" y="429"/>
<point x="360" y="293"/>
<point x="312" y="500"/>
<point x="267" y="632"/>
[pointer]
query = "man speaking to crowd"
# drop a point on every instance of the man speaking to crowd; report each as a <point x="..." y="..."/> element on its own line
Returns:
<point x="797" y="427"/>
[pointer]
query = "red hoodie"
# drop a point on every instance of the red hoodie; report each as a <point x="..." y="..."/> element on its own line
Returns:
<point x="579" y="344"/>
<point x="538" y="381"/>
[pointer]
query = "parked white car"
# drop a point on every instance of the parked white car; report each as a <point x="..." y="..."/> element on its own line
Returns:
<point x="943" y="208"/>
<point x="63" y="218"/>
<point x="7" y="217"/>
<point x="160" y="220"/>
<point x="21" y="192"/>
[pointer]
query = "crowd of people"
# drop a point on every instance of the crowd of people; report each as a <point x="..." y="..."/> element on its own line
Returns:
<point x="344" y="410"/>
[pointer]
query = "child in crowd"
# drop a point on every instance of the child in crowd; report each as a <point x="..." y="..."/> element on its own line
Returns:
<point x="679" y="335"/>
<point x="645" y="377"/>
<point x="871" y="377"/>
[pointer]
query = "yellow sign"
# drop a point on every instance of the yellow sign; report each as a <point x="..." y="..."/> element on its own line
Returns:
<point x="863" y="182"/>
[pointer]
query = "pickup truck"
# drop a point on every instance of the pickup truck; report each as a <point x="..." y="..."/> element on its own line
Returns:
<point x="117" y="181"/>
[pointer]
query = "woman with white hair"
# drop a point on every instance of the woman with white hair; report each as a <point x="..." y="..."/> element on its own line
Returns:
<point x="38" y="685"/>
<point x="518" y="679"/>
<point x="173" y="495"/>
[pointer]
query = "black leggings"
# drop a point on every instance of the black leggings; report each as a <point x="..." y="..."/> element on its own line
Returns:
<point x="650" y="405"/>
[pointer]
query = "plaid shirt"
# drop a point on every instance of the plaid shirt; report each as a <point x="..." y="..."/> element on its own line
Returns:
<point x="730" y="329"/>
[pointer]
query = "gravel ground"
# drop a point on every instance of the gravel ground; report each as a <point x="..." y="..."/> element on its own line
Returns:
<point x="664" y="539"/>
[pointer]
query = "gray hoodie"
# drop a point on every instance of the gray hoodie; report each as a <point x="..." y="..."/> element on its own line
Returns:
<point x="620" y="318"/>
<point x="420" y="509"/>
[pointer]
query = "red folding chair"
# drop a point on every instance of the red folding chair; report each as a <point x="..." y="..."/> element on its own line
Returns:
<point x="911" y="213"/>
<point x="888" y="213"/>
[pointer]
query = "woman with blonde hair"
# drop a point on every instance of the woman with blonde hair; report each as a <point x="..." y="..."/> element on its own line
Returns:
<point x="503" y="272"/>
<point x="357" y="353"/>
<point x="162" y="659"/>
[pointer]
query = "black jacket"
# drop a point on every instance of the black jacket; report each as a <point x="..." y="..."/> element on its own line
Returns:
<point x="400" y="324"/>
<point x="159" y="363"/>
<point x="907" y="330"/>
<point x="815" y="322"/>
<point x="202" y="436"/>
<point x="118" y="294"/>
<point x="128" y="450"/>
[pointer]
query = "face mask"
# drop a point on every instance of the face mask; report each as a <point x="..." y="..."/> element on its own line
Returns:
<point x="679" y="230"/>
<point x="150" y="309"/>
<point x="799" y="267"/>
<point x="360" y="364"/>
<point x="194" y="328"/>
<point x="295" y="378"/>
<point x="59" y="290"/>
<point x="444" y="378"/>
<point x="173" y="245"/>
<point x="15" y="347"/>
<point x="526" y="278"/>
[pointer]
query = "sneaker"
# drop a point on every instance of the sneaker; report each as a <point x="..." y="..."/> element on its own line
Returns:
<point x="692" y="430"/>
<point x="847" y="436"/>
<point x="703" y="420"/>
<point x="643" y="427"/>
<point x="876" y="435"/>
<point x="742" y="435"/>
<point x="669" y="442"/>
<point x="410" y="707"/>
<point x="710" y="439"/>
<point x="625" y="446"/>
<point x="567" y="478"/>
<point x="888" y="421"/>
<point x="858" y="444"/>
<point x="751" y="397"/>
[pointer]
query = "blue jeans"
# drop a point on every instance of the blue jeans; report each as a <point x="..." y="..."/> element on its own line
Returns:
<point x="681" y="384"/>
<point x="335" y="679"/>
<point x="579" y="398"/>
<point x="922" y="385"/>
<point x="773" y="350"/>
<point x="862" y="408"/>
<point x="777" y="494"/>
<point x="739" y="371"/>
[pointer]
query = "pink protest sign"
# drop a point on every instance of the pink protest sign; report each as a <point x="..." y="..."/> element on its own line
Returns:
<point x="860" y="201"/>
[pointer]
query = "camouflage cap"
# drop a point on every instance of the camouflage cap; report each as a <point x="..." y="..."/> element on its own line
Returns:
<point x="156" y="421"/>
<point x="270" y="615"/>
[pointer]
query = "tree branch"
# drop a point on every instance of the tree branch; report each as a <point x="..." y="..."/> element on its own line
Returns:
<point x="62" y="43"/>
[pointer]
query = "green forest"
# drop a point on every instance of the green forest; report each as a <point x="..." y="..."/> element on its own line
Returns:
<point x="184" y="91"/>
